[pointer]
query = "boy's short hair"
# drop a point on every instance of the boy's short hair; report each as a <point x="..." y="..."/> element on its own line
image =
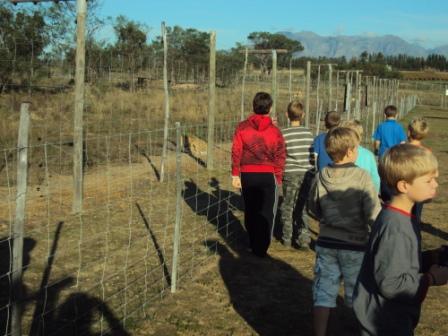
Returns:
<point x="262" y="103"/>
<point x="354" y="125"/>
<point x="332" y="119"/>
<point x="295" y="111"/>
<point x="418" y="128"/>
<point x="405" y="162"/>
<point x="390" y="111"/>
<point x="339" y="140"/>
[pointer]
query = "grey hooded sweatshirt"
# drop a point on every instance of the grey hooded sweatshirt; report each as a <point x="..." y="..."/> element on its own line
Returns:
<point x="344" y="200"/>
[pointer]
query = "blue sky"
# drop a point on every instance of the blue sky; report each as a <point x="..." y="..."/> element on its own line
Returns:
<point x="421" y="21"/>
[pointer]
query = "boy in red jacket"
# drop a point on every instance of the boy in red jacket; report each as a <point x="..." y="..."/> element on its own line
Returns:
<point x="258" y="159"/>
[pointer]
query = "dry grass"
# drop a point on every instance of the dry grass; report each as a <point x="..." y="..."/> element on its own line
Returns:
<point x="424" y="75"/>
<point x="101" y="269"/>
<point x="108" y="256"/>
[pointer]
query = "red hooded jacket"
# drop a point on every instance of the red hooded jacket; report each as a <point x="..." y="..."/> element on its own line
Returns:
<point x="258" y="147"/>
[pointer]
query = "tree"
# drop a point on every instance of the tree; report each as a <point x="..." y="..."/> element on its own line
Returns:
<point x="130" y="34"/>
<point x="265" y="40"/>
<point x="229" y="62"/>
<point x="187" y="48"/>
<point x="23" y="38"/>
<point x="363" y="58"/>
<point x="60" y="18"/>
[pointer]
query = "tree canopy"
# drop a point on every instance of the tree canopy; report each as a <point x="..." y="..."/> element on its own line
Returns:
<point x="23" y="34"/>
<point x="265" y="40"/>
<point x="31" y="36"/>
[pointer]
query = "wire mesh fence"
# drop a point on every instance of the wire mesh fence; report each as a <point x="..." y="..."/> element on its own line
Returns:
<point x="102" y="270"/>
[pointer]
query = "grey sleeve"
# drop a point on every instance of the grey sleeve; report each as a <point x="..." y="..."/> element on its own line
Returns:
<point x="370" y="203"/>
<point x="397" y="277"/>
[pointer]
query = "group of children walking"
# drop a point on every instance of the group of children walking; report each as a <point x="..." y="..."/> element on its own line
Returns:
<point x="369" y="216"/>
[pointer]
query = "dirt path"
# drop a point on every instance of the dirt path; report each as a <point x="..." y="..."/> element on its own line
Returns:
<point x="238" y="294"/>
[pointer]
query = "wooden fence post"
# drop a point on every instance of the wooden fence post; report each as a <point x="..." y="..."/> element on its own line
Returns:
<point x="79" y="106"/>
<point x="318" y="103"/>
<point x="348" y="95"/>
<point x="307" y="94"/>
<point x="274" y="84"/>
<point x="243" y="84"/>
<point x="337" y="91"/>
<point x="17" y="253"/>
<point x="177" y="223"/>
<point x="330" y="86"/>
<point x="211" y="101"/>
<point x="290" y="79"/>
<point x="166" y="102"/>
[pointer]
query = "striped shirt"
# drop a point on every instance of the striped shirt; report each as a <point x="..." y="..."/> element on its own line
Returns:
<point x="299" y="149"/>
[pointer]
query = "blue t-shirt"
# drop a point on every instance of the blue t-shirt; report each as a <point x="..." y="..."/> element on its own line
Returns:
<point x="323" y="159"/>
<point x="367" y="161"/>
<point x="389" y="133"/>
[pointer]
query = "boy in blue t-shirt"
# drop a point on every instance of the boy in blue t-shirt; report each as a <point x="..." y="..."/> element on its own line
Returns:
<point x="389" y="133"/>
<point x="332" y="119"/>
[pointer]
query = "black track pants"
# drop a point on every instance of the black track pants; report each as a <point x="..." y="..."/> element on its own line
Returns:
<point x="260" y="205"/>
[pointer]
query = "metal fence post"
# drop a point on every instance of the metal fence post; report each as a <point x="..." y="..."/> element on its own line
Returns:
<point x="176" y="239"/>
<point x="17" y="253"/>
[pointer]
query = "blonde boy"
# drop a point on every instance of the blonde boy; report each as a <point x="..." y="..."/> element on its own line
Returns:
<point x="345" y="201"/>
<point x="394" y="280"/>
<point x="417" y="130"/>
<point x="366" y="159"/>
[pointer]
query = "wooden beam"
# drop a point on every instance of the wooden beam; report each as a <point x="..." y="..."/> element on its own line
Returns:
<point x="264" y="51"/>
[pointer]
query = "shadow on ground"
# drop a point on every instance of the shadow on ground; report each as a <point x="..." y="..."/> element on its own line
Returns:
<point x="272" y="296"/>
<point x="76" y="315"/>
<point x="429" y="228"/>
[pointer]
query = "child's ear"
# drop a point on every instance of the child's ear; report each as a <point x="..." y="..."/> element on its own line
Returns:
<point x="402" y="186"/>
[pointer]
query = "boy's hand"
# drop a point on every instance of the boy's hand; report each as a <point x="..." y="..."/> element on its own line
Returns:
<point x="280" y="191"/>
<point x="439" y="275"/>
<point x="236" y="182"/>
<point x="431" y="257"/>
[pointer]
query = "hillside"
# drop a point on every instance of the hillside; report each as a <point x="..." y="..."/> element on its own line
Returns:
<point x="350" y="46"/>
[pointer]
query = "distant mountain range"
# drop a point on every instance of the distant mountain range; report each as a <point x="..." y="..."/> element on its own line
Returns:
<point x="351" y="46"/>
